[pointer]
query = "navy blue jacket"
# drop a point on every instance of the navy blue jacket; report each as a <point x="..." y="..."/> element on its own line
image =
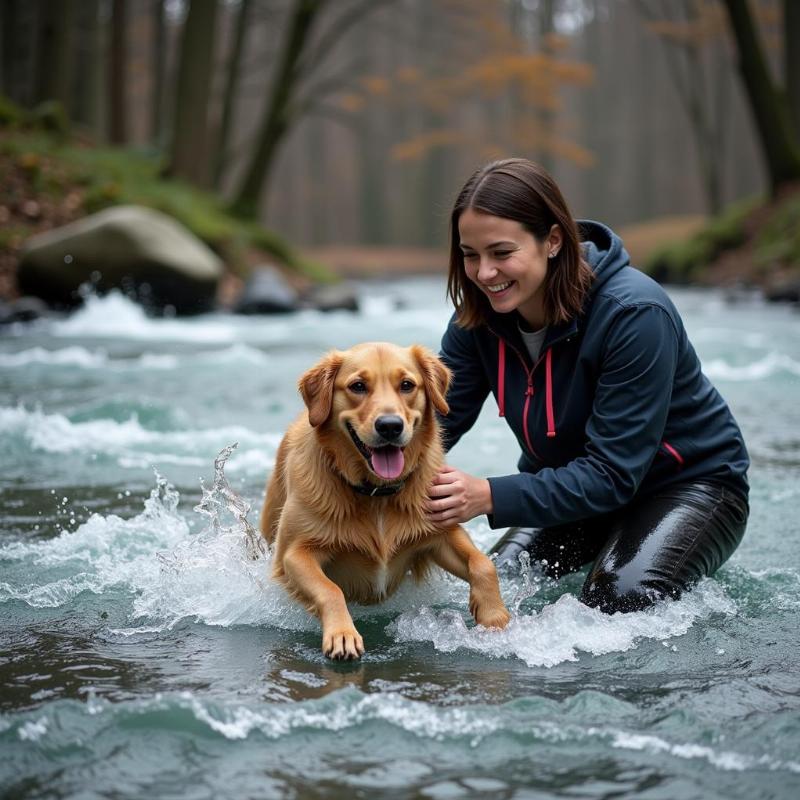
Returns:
<point x="615" y="407"/>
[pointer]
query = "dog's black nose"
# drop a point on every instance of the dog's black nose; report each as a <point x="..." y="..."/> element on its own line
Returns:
<point x="389" y="426"/>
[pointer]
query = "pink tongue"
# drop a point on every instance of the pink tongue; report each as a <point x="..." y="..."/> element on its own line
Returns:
<point x="388" y="462"/>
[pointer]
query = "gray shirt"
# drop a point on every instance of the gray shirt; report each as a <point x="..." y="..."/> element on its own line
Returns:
<point x="533" y="341"/>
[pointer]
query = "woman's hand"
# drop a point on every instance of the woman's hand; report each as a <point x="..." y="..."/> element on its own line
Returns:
<point x="457" y="497"/>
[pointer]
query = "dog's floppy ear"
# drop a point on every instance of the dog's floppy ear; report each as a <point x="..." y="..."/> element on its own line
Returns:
<point x="435" y="375"/>
<point x="316" y="387"/>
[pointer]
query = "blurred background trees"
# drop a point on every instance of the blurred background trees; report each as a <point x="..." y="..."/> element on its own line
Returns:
<point x="355" y="121"/>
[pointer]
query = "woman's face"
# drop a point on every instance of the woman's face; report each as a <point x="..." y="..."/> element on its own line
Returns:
<point x="507" y="262"/>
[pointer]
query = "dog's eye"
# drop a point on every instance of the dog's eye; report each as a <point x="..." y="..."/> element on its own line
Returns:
<point x="358" y="387"/>
<point x="407" y="386"/>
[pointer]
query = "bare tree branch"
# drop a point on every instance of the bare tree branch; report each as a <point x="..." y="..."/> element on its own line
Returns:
<point x="336" y="29"/>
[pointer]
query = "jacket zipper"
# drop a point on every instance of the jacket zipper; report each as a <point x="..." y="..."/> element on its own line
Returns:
<point x="528" y="392"/>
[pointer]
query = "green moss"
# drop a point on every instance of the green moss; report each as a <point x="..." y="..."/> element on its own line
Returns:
<point x="778" y="242"/>
<point x="12" y="235"/>
<point x="112" y="176"/>
<point x="683" y="262"/>
<point x="11" y="115"/>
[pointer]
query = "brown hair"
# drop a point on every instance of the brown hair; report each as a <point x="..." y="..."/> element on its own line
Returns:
<point x="520" y="190"/>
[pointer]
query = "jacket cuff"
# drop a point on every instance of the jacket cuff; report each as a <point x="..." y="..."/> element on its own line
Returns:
<point x="505" y="502"/>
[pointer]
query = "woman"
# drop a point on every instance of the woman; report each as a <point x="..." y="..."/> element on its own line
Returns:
<point x="630" y="457"/>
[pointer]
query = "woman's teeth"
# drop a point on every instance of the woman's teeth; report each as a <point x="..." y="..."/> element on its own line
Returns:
<point x="498" y="287"/>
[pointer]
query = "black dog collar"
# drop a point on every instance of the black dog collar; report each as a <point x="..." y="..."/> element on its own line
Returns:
<point x="373" y="490"/>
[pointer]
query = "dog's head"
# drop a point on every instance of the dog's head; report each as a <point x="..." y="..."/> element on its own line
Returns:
<point x="378" y="397"/>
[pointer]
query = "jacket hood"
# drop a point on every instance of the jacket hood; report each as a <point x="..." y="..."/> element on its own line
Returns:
<point x="603" y="251"/>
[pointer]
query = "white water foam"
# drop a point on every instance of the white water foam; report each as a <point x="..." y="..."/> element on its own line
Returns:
<point x="563" y="629"/>
<point x="349" y="709"/>
<point x="90" y="359"/>
<point x="725" y="760"/>
<point x="771" y="364"/>
<point x="132" y="444"/>
<point x="73" y="356"/>
<point x="101" y="553"/>
<point x="114" y="315"/>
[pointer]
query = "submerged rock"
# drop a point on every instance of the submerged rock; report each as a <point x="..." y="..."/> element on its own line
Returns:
<point x="787" y="291"/>
<point x="24" y="309"/>
<point x="332" y="297"/>
<point x="267" y="292"/>
<point x="144" y="252"/>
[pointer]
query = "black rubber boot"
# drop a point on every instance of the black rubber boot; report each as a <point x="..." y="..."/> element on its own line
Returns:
<point x="507" y="548"/>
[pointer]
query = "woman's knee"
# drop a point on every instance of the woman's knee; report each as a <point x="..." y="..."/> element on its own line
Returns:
<point x="611" y="592"/>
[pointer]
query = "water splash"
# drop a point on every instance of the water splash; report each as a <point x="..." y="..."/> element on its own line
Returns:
<point x="561" y="630"/>
<point x="103" y="552"/>
<point x="220" y="575"/>
<point x="221" y="497"/>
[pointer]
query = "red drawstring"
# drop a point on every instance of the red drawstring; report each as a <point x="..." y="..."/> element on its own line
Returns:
<point x="551" y="421"/>
<point x="501" y="377"/>
<point x="673" y="452"/>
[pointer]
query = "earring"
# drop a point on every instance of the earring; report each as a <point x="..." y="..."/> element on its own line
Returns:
<point x="552" y="254"/>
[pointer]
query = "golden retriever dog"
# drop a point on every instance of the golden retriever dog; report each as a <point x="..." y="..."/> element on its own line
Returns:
<point x="345" y="509"/>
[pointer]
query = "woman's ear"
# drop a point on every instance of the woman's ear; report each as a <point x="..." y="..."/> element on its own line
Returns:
<point x="435" y="375"/>
<point x="316" y="387"/>
<point x="554" y="241"/>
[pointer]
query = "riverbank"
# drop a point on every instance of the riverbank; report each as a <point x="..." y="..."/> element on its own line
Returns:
<point x="353" y="261"/>
<point x="50" y="180"/>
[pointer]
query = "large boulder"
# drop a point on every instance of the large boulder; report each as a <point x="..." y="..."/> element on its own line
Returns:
<point x="139" y="250"/>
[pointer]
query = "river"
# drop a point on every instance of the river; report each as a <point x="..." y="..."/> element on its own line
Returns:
<point x="145" y="652"/>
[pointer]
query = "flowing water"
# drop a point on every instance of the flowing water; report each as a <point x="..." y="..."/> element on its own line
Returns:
<point x="145" y="652"/>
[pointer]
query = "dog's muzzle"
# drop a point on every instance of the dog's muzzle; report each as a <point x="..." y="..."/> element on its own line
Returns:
<point x="386" y="461"/>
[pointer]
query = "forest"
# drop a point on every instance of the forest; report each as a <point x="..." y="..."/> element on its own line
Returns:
<point x="331" y="135"/>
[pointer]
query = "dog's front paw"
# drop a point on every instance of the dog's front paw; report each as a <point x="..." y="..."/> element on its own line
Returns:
<point x="343" y="644"/>
<point x="492" y="616"/>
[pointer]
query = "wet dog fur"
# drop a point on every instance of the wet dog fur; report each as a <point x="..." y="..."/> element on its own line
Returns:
<point x="369" y="422"/>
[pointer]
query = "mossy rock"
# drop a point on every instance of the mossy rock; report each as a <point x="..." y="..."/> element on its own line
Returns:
<point x="136" y="249"/>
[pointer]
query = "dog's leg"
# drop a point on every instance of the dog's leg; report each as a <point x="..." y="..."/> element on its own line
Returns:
<point x="340" y="639"/>
<point x="275" y="496"/>
<point x="459" y="556"/>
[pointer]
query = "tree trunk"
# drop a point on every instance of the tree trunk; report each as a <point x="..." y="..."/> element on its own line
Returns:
<point x="189" y="156"/>
<point x="231" y="87"/>
<point x="278" y="113"/>
<point x="117" y="83"/>
<point x="791" y="38"/>
<point x="9" y="31"/>
<point x="770" y="111"/>
<point x="45" y="38"/>
<point x="547" y="28"/>
<point x="159" y="65"/>
<point x="63" y="57"/>
<point x="19" y="29"/>
<point x="90" y="67"/>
